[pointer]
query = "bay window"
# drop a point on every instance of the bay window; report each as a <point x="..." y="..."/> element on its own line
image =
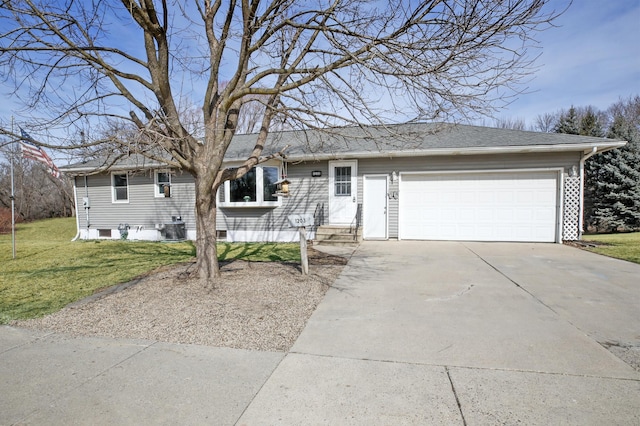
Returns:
<point x="255" y="189"/>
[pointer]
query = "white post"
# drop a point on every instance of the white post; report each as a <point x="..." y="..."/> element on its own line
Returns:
<point x="13" y="203"/>
<point x="304" y="259"/>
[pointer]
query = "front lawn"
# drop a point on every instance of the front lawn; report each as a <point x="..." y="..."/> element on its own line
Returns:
<point x="620" y="246"/>
<point x="50" y="271"/>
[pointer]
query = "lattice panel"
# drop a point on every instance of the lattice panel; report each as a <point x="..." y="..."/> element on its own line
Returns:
<point x="571" y="214"/>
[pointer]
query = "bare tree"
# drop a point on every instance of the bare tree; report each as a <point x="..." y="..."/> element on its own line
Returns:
<point x="546" y="122"/>
<point x="250" y="116"/>
<point x="511" y="123"/>
<point x="310" y="64"/>
<point x="38" y="194"/>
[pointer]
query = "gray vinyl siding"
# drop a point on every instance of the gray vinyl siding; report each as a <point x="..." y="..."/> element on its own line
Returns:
<point x="454" y="163"/>
<point x="143" y="209"/>
<point x="307" y="195"/>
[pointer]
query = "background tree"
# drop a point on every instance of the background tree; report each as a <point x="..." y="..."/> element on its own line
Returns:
<point x="612" y="179"/>
<point x="545" y="123"/>
<point x="39" y="195"/>
<point x="511" y="123"/>
<point x="312" y="65"/>
<point x="568" y="122"/>
<point x="616" y="186"/>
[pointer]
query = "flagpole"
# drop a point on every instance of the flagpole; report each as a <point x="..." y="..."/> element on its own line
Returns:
<point x="13" y="203"/>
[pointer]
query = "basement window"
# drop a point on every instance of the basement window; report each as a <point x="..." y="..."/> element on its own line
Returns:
<point x="104" y="233"/>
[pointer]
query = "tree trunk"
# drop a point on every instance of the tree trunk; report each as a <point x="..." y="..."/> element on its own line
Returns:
<point x="207" y="266"/>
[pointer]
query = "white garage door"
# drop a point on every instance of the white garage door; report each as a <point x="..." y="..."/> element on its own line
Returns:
<point x="497" y="206"/>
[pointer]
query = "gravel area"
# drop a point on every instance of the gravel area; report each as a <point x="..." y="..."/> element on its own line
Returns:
<point x="257" y="306"/>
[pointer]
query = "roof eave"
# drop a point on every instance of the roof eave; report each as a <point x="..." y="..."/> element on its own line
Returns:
<point x="88" y="170"/>
<point x="584" y="148"/>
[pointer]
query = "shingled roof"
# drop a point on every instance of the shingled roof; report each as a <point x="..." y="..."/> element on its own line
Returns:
<point x="423" y="139"/>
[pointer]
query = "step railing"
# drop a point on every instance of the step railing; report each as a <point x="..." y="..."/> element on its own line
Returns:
<point x="354" y="228"/>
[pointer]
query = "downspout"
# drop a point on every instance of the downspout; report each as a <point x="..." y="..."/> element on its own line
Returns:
<point x="87" y="206"/>
<point x="75" y="200"/>
<point x="584" y="158"/>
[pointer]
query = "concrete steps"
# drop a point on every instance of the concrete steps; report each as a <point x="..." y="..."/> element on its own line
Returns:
<point x="338" y="235"/>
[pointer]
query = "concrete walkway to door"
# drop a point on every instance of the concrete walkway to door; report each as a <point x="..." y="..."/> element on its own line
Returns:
<point x="464" y="333"/>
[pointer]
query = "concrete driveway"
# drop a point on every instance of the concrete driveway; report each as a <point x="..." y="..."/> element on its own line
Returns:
<point x="411" y="333"/>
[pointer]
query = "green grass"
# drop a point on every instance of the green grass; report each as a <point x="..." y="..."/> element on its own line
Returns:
<point x="620" y="246"/>
<point x="50" y="271"/>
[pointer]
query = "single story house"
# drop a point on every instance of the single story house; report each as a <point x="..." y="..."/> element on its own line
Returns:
<point x="419" y="181"/>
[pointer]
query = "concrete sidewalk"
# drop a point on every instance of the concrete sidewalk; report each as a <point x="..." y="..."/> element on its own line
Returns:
<point x="412" y="333"/>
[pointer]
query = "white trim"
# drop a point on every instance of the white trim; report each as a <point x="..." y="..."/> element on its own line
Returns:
<point x="113" y="188"/>
<point x="364" y="205"/>
<point x="475" y="171"/>
<point x="75" y="201"/>
<point x="136" y="233"/>
<point x="559" y="188"/>
<point x="587" y="147"/>
<point x="560" y="205"/>
<point x="269" y="235"/>
<point x="259" y="203"/>
<point x="157" y="194"/>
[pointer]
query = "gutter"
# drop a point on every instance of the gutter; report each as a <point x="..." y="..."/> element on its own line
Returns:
<point x="450" y="151"/>
<point x="322" y="156"/>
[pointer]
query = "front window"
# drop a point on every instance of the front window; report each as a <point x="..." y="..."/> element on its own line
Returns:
<point x="244" y="188"/>
<point x="162" y="179"/>
<point x="120" y="184"/>
<point x="256" y="188"/>
<point x="269" y="187"/>
<point x="343" y="181"/>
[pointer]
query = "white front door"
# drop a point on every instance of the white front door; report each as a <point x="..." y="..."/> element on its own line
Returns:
<point x="374" y="207"/>
<point x="343" y="192"/>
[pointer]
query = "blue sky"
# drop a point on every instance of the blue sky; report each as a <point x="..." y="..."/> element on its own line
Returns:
<point x="591" y="58"/>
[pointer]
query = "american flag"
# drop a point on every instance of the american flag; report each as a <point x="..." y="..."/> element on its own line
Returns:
<point x="33" y="152"/>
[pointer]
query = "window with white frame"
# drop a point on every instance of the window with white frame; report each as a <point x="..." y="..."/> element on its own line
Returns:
<point x="256" y="188"/>
<point x="120" y="185"/>
<point x="342" y="181"/>
<point x="162" y="178"/>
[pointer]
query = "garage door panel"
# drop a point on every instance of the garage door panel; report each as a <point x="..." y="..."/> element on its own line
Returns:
<point x="514" y="206"/>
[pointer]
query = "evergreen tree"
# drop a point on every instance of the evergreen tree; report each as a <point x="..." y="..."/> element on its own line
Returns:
<point x="590" y="124"/>
<point x="616" y="205"/>
<point x="612" y="179"/>
<point x="568" y="122"/>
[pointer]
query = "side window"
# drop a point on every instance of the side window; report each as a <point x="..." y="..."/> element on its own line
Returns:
<point x="269" y="187"/>
<point x="120" y="185"/>
<point x="163" y="178"/>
